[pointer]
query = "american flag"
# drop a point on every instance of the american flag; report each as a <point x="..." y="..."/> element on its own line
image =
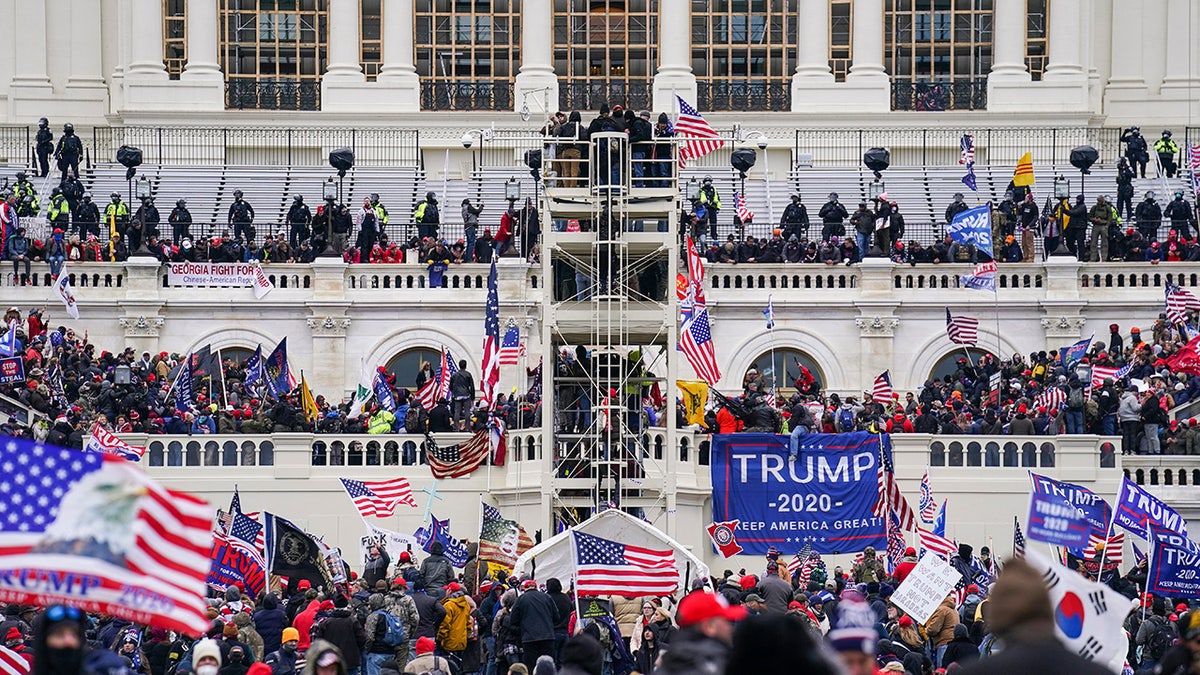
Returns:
<point x="497" y="441"/>
<point x="1194" y="160"/>
<point x="697" y="346"/>
<point x="939" y="545"/>
<point x="814" y="562"/>
<point x="490" y="371"/>
<point x="692" y="299"/>
<point x="456" y="461"/>
<point x="12" y="663"/>
<point x="438" y="386"/>
<point x="739" y="204"/>
<point x="1018" y="539"/>
<point x="379" y="498"/>
<point x="89" y="516"/>
<point x="1180" y="301"/>
<point x="926" y="503"/>
<point x="895" y="543"/>
<point x="246" y="528"/>
<point x="890" y="497"/>
<point x="511" y="347"/>
<point x="966" y="146"/>
<point x="1101" y="372"/>
<point x="797" y="563"/>
<point x="1113" y="551"/>
<point x="962" y="330"/>
<point x="103" y="440"/>
<point x="699" y="137"/>
<point x="606" y="567"/>
<point x="882" y="389"/>
<point x="1051" y="399"/>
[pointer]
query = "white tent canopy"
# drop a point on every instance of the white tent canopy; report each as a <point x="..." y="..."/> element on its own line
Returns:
<point x="555" y="558"/>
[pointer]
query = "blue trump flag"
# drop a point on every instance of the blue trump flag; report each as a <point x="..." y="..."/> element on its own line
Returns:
<point x="1074" y="354"/>
<point x="276" y="366"/>
<point x="1093" y="507"/>
<point x="383" y="392"/>
<point x="1054" y="520"/>
<point x="1137" y="510"/>
<point x="1174" y="565"/>
<point x="183" y="388"/>
<point x="973" y="226"/>
<point x="254" y="368"/>
<point x="824" y="497"/>
<point x="439" y="531"/>
<point x="939" y="521"/>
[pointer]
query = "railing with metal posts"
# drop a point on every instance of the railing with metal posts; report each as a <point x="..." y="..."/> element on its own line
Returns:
<point x="630" y="94"/>
<point x="491" y="96"/>
<point x="733" y="96"/>
<point x="16" y="145"/>
<point x="934" y="96"/>
<point x="831" y="148"/>
<point x="260" y="146"/>
<point x="242" y="94"/>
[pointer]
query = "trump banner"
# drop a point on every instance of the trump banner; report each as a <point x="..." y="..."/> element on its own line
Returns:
<point x="1056" y="521"/>
<point x="1174" y="565"/>
<point x="973" y="226"/>
<point x="236" y="562"/>
<point x="1093" y="507"/>
<point x="823" y="497"/>
<point x="1137" y="509"/>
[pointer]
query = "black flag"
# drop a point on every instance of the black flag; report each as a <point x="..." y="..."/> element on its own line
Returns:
<point x="294" y="554"/>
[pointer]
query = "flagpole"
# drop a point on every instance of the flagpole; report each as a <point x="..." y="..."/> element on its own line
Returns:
<point x="478" y="560"/>
<point x="575" y="577"/>
<point x="221" y="367"/>
<point x="771" y="337"/>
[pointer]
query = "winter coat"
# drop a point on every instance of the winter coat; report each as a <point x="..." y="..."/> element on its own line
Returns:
<point x="343" y="631"/>
<point x="248" y="635"/>
<point x="269" y="621"/>
<point x="940" y="625"/>
<point x="430" y="614"/>
<point x="534" y="616"/>
<point x="437" y="571"/>
<point x="961" y="649"/>
<point x="455" y="628"/>
<point x="319" y="647"/>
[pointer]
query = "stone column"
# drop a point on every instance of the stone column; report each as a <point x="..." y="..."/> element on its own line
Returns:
<point x="146" y="49"/>
<point x="344" y="25"/>
<point x="1126" y="64"/>
<point x="1063" y="36"/>
<point x="812" y="56"/>
<point x="398" y="75"/>
<point x="537" y="58"/>
<point x="202" y="41"/>
<point x="868" y="42"/>
<point x="1008" y="42"/>
<point x="85" y="63"/>
<point x="674" y="76"/>
<point x="30" y="85"/>
<point x="1183" y="56"/>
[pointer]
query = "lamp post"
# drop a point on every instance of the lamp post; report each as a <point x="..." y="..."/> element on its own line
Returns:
<point x="329" y="193"/>
<point x="1062" y="190"/>
<point x="484" y="135"/>
<point x="143" y="192"/>
<point x="760" y="139"/>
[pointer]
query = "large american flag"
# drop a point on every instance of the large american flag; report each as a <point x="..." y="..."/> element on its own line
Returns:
<point x="695" y="341"/>
<point x="12" y="663"/>
<point x="692" y="299"/>
<point x="962" y="330"/>
<point x="438" y="386"/>
<point x="379" y="498"/>
<point x="1194" y="160"/>
<point x="456" y="461"/>
<point x="1180" y="301"/>
<point x="890" y="497"/>
<point x="895" y="543"/>
<point x="1051" y="399"/>
<point x="797" y="563"/>
<point x="511" y="347"/>
<point x="1018" y="539"/>
<point x="1114" y="549"/>
<point x="927" y="504"/>
<point x="882" y="390"/>
<point x="966" y="147"/>
<point x="95" y="532"/>
<point x="606" y="567"/>
<point x="490" y="371"/>
<point x="699" y="136"/>
<point x="940" y="545"/>
<point x="744" y="214"/>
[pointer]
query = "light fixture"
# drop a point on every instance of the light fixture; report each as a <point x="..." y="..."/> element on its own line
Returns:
<point x="121" y="374"/>
<point x="876" y="188"/>
<point x="525" y="112"/>
<point x="329" y="190"/>
<point x="693" y="189"/>
<point x="512" y="189"/>
<point x="143" y="188"/>
<point x="1062" y="187"/>
<point x="485" y="135"/>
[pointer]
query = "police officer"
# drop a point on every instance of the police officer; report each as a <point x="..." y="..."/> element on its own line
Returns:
<point x="1149" y="217"/>
<point x="795" y="219"/>
<point x="426" y="217"/>
<point x="145" y="223"/>
<point x="45" y="146"/>
<point x="73" y="190"/>
<point x="68" y="152"/>
<point x="299" y="220"/>
<point x="833" y="216"/>
<point x="241" y="217"/>
<point x="181" y="222"/>
<point x="1124" y="189"/>
<point x="87" y="217"/>
<point x="1136" y="150"/>
<point x="60" y="210"/>
<point x="711" y="202"/>
<point x="956" y="207"/>
<point x="381" y="214"/>
<point x="1180" y="213"/>
<point x="1166" y="149"/>
<point x="116" y="215"/>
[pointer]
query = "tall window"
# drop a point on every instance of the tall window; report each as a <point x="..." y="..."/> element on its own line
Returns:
<point x="605" y="51"/>
<point x="273" y="52"/>
<point x="742" y="53"/>
<point x="174" y="36"/>
<point x="370" y="45"/>
<point x="841" y="37"/>
<point x="938" y="40"/>
<point x="1036" y="43"/>
<point x="467" y="53"/>
<point x="407" y="364"/>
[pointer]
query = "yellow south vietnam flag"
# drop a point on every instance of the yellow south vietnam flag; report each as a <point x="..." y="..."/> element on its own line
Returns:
<point x="1023" y="176"/>
<point x="695" y="397"/>
<point x="311" y="412"/>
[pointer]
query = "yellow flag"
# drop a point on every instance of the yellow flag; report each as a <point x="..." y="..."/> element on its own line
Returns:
<point x="1023" y="176"/>
<point x="695" y="397"/>
<point x="307" y="402"/>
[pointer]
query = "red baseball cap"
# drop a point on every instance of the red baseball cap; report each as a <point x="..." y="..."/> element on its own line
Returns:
<point x="701" y="606"/>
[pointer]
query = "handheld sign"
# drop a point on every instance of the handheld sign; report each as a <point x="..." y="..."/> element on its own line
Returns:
<point x="1054" y="521"/>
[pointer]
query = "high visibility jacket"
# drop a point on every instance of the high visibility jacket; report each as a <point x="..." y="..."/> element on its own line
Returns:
<point x="709" y="197"/>
<point x="381" y="422"/>
<point x="381" y="214"/>
<point x="1166" y="145"/>
<point x="419" y="213"/>
<point x="59" y="209"/>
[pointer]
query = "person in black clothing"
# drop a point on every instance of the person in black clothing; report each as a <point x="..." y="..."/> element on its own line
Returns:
<point x="1136" y="150"/>
<point x="430" y="613"/>
<point x="462" y="392"/>
<point x="604" y="170"/>
<point x="529" y="228"/>
<point x="344" y="631"/>
<point x="45" y="146"/>
<point x="1180" y="213"/>
<point x="1124" y="189"/>
<point x="956" y="207"/>
<point x="181" y="222"/>
<point x="565" y="606"/>
<point x="534" y="617"/>
<point x="795" y="219"/>
<point x="144" y="224"/>
<point x="1076" y="231"/>
<point x="299" y="220"/>
<point x="241" y="217"/>
<point x="640" y="135"/>
<point x="68" y="152"/>
<point x="440" y="419"/>
<point x="1149" y="217"/>
<point x="833" y="217"/>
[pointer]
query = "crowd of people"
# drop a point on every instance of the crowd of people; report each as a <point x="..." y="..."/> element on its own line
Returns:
<point x="804" y="617"/>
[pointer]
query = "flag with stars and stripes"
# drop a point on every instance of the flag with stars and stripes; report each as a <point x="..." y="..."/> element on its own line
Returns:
<point x="1194" y="162"/>
<point x="696" y="343"/>
<point x="1180" y="301"/>
<point x="926" y="504"/>
<point x="606" y="567"/>
<point x="511" y="347"/>
<point x="962" y="330"/>
<point x="743" y="212"/>
<point x="881" y="390"/>
<point x="98" y="531"/>
<point x="940" y="546"/>
<point x="379" y="498"/>
<point x="890" y="497"/>
<point x="895" y="543"/>
<point x="699" y="136"/>
<point x="501" y="540"/>
<point x="1051" y="399"/>
<point x="490" y="370"/>
<point x="1018" y="539"/>
<point x="461" y="459"/>
<point x="797" y="563"/>
<point x="438" y="386"/>
<point x="13" y="663"/>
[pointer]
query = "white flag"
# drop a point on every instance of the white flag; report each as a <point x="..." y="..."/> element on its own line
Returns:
<point x="65" y="293"/>
<point x="1088" y="616"/>
<point x="363" y="393"/>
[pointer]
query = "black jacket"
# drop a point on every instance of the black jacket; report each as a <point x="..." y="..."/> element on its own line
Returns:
<point x="1046" y="657"/>
<point x="344" y="632"/>
<point x="431" y="613"/>
<point x="534" y="616"/>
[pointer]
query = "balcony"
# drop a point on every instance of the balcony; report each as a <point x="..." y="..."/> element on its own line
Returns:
<point x="272" y="94"/>
<point x="927" y="96"/>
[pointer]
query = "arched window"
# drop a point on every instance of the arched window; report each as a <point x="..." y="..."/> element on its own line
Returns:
<point x="238" y="354"/>
<point x="949" y="363"/>
<point x="407" y="363"/>
<point x="779" y="370"/>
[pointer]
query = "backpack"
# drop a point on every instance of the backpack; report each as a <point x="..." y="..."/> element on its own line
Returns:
<point x="413" y="418"/>
<point x="846" y="419"/>
<point x="1160" y="641"/>
<point x="437" y="668"/>
<point x="393" y="635"/>
<point x="1075" y="398"/>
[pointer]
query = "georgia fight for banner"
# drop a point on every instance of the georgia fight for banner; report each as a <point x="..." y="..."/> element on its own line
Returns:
<point x="824" y="497"/>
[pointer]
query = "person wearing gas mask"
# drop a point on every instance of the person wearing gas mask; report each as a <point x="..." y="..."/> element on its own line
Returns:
<point x="299" y="220"/>
<point x="956" y="207"/>
<point x="116" y="215"/>
<point x="1181" y="216"/>
<point x="87" y="217"/>
<point x="833" y="216"/>
<point x="1149" y="218"/>
<point x="45" y="147"/>
<point x="241" y="217"/>
<point x="181" y="222"/>
<point x="68" y="152"/>
<point x="1167" y="149"/>
<point x="1136" y="150"/>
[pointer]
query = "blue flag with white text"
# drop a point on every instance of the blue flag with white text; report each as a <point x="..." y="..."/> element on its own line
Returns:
<point x="383" y="392"/>
<point x="439" y="531"/>
<point x="1074" y="354"/>
<point x="1137" y="510"/>
<point x="973" y="226"/>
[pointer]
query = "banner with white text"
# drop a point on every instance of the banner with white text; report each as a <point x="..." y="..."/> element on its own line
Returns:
<point x="220" y="275"/>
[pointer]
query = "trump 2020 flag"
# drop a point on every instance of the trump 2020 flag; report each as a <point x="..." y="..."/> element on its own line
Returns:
<point x="1088" y="616"/>
<point x="103" y="440"/>
<point x="973" y="226"/>
<point x="1137" y="509"/>
<point x="92" y="531"/>
<point x="439" y="531"/>
<point x="1074" y="354"/>
<point x="383" y="392"/>
<point x="1175" y="565"/>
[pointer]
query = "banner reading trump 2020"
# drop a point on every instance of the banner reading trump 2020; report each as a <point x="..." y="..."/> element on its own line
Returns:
<point x="824" y="497"/>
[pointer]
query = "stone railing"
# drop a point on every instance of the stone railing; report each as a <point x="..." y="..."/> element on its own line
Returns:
<point x="1162" y="470"/>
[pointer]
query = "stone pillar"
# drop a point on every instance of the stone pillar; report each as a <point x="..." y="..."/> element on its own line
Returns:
<point x="202" y="40"/>
<point x="1008" y="42"/>
<point x="812" y="56"/>
<point x="537" y="58"/>
<point x="30" y="87"/>
<point x="1183" y="56"/>
<point x="146" y="50"/>
<point x="1063" y="36"/>
<point x="868" y="80"/>
<point x="398" y="75"/>
<point x="85" y="63"/>
<point x="344" y="25"/>
<point x="1127" y="64"/>
<point x="674" y="76"/>
<point x="1064" y="87"/>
